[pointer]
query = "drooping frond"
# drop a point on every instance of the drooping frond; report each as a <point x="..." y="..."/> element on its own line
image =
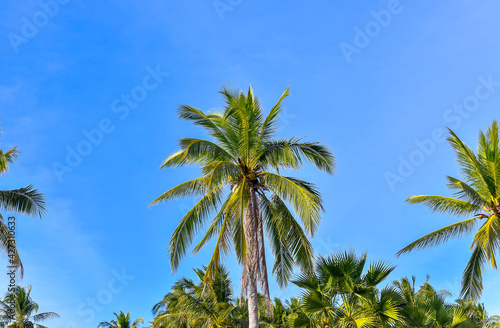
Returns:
<point x="8" y="246"/>
<point x="302" y="196"/>
<point x="283" y="259"/>
<point x="442" y="235"/>
<point x="472" y="280"/>
<point x="191" y="223"/>
<point x="488" y="237"/>
<point x="288" y="241"/>
<point x="24" y="201"/>
<point x="224" y="241"/>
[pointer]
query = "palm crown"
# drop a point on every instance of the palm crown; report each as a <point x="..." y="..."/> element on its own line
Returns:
<point x="477" y="198"/>
<point x="122" y="321"/>
<point x="342" y="292"/>
<point x="242" y="185"/>
<point x="192" y="304"/>
<point x="25" y="310"/>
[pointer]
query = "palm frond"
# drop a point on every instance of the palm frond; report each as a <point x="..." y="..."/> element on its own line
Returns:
<point x="44" y="316"/>
<point x="8" y="157"/>
<point x="466" y="193"/>
<point x="196" y="151"/>
<point x="472" y="167"/>
<point x="472" y="281"/>
<point x="302" y="196"/>
<point x="269" y="126"/>
<point x="442" y="204"/>
<point x="487" y="237"/>
<point x="190" y="225"/>
<point x="442" y="235"/>
<point x="24" y="201"/>
<point x="290" y="153"/>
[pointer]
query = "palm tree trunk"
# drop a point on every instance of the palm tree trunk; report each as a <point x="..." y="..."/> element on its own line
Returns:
<point x="251" y="262"/>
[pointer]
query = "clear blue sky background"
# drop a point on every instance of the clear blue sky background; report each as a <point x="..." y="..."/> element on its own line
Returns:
<point x="400" y="87"/>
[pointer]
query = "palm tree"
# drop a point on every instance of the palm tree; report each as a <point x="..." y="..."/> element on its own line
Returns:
<point x="122" y="321"/>
<point x="191" y="304"/>
<point x="242" y="183"/>
<point x="477" y="198"/>
<point x="278" y="317"/>
<point x="427" y="307"/>
<point x="342" y="292"/>
<point x="25" y="313"/>
<point x="24" y="201"/>
<point x="478" y="314"/>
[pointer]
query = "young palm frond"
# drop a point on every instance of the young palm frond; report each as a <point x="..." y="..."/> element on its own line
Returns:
<point x="477" y="197"/>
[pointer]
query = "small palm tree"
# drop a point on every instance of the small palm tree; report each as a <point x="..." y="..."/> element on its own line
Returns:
<point x="342" y="292"/>
<point x="278" y="318"/>
<point x="20" y="311"/>
<point x="191" y="304"/>
<point x="122" y="321"/>
<point x="427" y="307"/>
<point x="242" y="182"/>
<point x="24" y="201"/>
<point x="477" y="198"/>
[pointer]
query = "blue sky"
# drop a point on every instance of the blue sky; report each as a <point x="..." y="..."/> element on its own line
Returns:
<point x="105" y="78"/>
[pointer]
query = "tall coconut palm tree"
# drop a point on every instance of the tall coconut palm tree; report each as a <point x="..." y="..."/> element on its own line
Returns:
<point x="242" y="185"/>
<point x="23" y="201"/>
<point x="342" y="292"/>
<point x="477" y="198"/>
<point x="122" y="321"/>
<point x="20" y="311"/>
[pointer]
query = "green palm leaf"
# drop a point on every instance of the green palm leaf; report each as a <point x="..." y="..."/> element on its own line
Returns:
<point x="442" y="235"/>
<point x="24" y="201"/>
